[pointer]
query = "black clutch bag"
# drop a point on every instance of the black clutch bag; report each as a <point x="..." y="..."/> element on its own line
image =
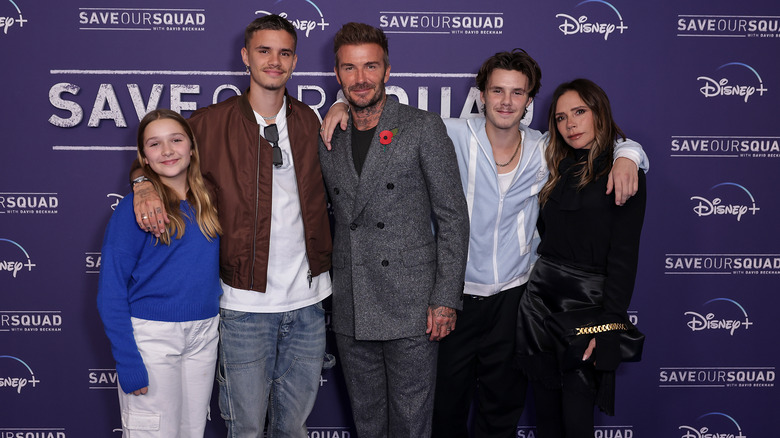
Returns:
<point x="574" y="329"/>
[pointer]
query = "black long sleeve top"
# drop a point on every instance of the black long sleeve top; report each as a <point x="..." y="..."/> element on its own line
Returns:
<point x="587" y="230"/>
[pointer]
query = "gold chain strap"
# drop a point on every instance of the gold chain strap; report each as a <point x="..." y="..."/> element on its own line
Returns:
<point x="612" y="326"/>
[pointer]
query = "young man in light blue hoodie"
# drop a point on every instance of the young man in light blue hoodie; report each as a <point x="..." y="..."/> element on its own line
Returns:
<point x="502" y="168"/>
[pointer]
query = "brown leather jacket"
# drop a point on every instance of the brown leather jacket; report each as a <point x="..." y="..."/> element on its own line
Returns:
<point x="237" y="161"/>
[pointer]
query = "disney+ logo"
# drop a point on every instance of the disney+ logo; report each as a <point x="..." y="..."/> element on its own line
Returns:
<point x="716" y="206"/>
<point x="722" y="87"/>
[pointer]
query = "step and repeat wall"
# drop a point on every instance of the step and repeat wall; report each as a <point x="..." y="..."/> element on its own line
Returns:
<point x="696" y="82"/>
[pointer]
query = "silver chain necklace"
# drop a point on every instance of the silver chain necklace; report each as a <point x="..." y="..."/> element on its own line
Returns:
<point x="513" y="155"/>
<point x="274" y="116"/>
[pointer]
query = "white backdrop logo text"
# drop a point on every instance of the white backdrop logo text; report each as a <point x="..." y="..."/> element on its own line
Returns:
<point x="14" y="376"/>
<point x="11" y="17"/>
<point x="14" y="258"/>
<point x="721" y="426"/>
<point x="710" y="321"/>
<point x="717" y="377"/>
<point x="718" y="207"/>
<point x="583" y="24"/>
<point x="28" y="203"/>
<point x="443" y="23"/>
<point x="154" y="19"/>
<point x="726" y="87"/>
<point x="728" y="26"/>
<point x="305" y="20"/>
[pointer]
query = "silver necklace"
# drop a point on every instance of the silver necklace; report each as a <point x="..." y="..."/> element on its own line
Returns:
<point x="513" y="155"/>
<point x="273" y="116"/>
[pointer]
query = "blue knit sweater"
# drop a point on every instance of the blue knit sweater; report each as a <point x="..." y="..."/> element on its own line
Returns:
<point x="172" y="283"/>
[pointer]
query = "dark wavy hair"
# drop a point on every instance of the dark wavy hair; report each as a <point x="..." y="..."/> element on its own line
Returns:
<point x="518" y="60"/>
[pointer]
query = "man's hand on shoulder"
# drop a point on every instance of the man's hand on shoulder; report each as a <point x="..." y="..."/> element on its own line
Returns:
<point x="150" y="214"/>
<point x="624" y="179"/>
<point x="338" y="115"/>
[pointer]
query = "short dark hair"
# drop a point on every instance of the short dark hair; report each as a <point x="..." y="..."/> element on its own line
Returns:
<point x="270" y="22"/>
<point x="360" y="33"/>
<point x="518" y="60"/>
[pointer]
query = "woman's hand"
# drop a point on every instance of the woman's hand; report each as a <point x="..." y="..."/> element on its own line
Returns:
<point x="589" y="350"/>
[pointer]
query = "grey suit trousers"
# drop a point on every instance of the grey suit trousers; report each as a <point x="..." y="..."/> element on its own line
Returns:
<point x="390" y="385"/>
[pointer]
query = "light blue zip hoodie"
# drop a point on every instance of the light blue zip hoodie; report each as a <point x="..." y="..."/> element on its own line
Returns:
<point x="503" y="238"/>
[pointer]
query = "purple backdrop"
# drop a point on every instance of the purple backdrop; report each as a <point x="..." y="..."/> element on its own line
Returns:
<point x="695" y="82"/>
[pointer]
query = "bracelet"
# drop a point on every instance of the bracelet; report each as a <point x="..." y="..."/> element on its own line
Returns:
<point x="140" y="179"/>
<point x="592" y="330"/>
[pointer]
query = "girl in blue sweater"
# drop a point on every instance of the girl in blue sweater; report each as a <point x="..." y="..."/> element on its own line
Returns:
<point x="159" y="297"/>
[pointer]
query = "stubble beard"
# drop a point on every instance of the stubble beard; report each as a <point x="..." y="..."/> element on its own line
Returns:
<point x="273" y="87"/>
<point x="371" y="105"/>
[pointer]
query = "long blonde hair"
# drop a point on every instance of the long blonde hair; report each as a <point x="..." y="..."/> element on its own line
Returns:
<point x="198" y="196"/>
<point x="607" y="131"/>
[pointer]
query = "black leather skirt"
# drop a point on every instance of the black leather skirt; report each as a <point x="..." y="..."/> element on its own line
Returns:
<point x="556" y="287"/>
<point x="552" y="288"/>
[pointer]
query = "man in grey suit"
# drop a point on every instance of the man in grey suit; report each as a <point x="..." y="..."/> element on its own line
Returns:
<point x="401" y="241"/>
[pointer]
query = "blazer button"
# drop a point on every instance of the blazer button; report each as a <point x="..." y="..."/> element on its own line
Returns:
<point x="390" y="186"/>
<point x="385" y="263"/>
<point x="380" y="225"/>
<point x="336" y="190"/>
<point x="353" y="227"/>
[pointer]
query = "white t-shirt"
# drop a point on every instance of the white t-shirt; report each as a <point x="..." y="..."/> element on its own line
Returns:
<point x="505" y="179"/>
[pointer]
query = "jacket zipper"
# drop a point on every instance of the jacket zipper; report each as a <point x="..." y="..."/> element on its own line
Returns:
<point x="495" y="237"/>
<point x="257" y="207"/>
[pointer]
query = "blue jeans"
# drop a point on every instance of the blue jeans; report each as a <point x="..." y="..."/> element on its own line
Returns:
<point x="270" y="362"/>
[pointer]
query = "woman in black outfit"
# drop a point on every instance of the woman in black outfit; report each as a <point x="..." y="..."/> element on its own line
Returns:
<point x="588" y="257"/>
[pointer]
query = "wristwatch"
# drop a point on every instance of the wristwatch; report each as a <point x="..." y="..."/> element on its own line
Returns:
<point x="138" y="180"/>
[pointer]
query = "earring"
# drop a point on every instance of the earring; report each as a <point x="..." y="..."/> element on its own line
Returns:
<point x="247" y="69"/>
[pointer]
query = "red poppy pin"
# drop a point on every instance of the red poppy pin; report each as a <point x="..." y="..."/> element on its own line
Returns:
<point x="386" y="137"/>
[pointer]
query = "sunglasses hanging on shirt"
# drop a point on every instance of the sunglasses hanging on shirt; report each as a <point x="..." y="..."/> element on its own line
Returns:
<point x="272" y="136"/>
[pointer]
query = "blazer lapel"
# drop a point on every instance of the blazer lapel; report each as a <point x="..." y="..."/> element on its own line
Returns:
<point x="340" y="161"/>
<point x="378" y="158"/>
